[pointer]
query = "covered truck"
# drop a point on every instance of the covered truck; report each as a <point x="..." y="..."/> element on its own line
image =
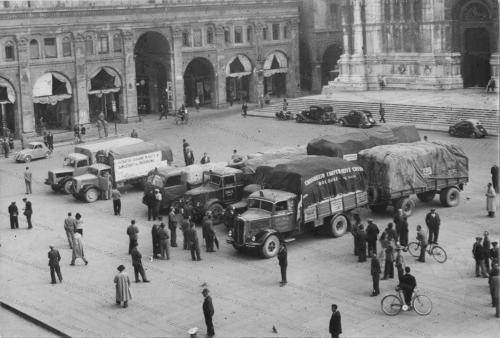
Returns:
<point x="315" y="191"/>
<point x="120" y="166"/>
<point x="76" y="163"/>
<point x="347" y="146"/>
<point x="395" y="172"/>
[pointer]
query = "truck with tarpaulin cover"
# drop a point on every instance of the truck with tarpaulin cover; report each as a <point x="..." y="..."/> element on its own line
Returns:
<point x="300" y="195"/>
<point x="395" y="172"/>
<point x="118" y="167"/>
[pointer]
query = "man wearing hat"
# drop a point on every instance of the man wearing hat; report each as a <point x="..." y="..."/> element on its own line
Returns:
<point x="54" y="258"/>
<point x="28" y="211"/>
<point x="371" y="237"/>
<point x="172" y="225"/>
<point x="157" y="204"/>
<point x="137" y="264"/>
<point x="13" y="213"/>
<point x="122" y="285"/>
<point x="433" y="222"/>
<point x="132" y="232"/>
<point x="421" y="238"/>
<point x="478" y="254"/>
<point x="494" y="253"/>
<point x="208" y="312"/>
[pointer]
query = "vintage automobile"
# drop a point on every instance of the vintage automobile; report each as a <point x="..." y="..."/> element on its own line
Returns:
<point x="357" y="118"/>
<point x="284" y="115"/>
<point x="33" y="151"/>
<point x="468" y="128"/>
<point x="317" y="114"/>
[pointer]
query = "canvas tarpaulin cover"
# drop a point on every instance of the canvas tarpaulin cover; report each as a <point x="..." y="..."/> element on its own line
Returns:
<point x="314" y="178"/>
<point x="405" y="133"/>
<point x="410" y="166"/>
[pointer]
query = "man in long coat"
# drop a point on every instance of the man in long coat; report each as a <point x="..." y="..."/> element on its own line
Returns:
<point x="132" y="232"/>
<point x="491" y="200"/>
<point x="156" y="240"/>
<point x="137" y="264"/>
<point x="361" y="244"/>
<point x="375" y="272"/>
<point x="28" y="211"/>
<point x="335" y="322"/>
<point x="433" y="222"/>
<point x="208" y="312"/>
<point x="13" y="214"/>
<point x="371" y="237"/>
<point x="54" y="258"/>
<point x="194" y="245"/>
<point x="122" y="284"/>
<point x="209" y="233"/>
<point x="283" y="262"/>
<point x="172" y="225"/>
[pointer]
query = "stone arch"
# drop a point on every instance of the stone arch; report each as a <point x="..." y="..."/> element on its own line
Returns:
<point x="239" y="70"/>
<point x="329" y="65"/>
<point x="199" y="80"/>
<point x="275" y="73"/>
<point x="105" y="93"/>
<point x="8" y="112"/>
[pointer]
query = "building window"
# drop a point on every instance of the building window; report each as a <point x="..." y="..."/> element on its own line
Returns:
<point x="89" y="46"/>
<point x="333" y="16"/>
<point x="34" y="50"/>
<point x="238" y="35"/>
<point x="50" y="47"/>
<point x="103" y="44"/>
<point x="264" y="33"/>
<point x="210" y="35"/>
<point x="276" y="31"/>
<point x="286" y="33"/>
<point x="9" y="51"/>
<point x="197" y="38"/>
<point x="66" y="47"/>
<point x="249" y="34"/>
<point x="186" y="41"/>
<point x="117" y="43"/>
<point x="227" y="35"/>
<point x="6" y="4"/>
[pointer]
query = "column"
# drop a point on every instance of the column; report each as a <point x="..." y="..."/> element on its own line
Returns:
<point x="80" y="94"/>
<point x="26" y="101"/>
<point x="374" y="22"/>
<point x="293" y="75"/>
<point x="357" y="26"/>
<point x="177" y="70"/>
<point x="259" y="64"/>
<point x="220" y="68"/>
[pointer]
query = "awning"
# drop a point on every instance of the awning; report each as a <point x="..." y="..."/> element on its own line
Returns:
<point x="276" y="62"/>
<point x="51" y="88"/>
<point x="103" y="81"/>
<point x="7" y="92"/>
<point x="238" y="66"/>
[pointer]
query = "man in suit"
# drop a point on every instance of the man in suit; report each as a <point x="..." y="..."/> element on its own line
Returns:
<point x="156" y="240"/>
<point x="13" y="213"/>
<point x="209" y="233"/>
<point x="28" y="211"/>
<point x="371" y="237"/>
<point x="433" y="222"/>
<point x="28" y="177"/>
<point x="375" y="272"/>
<point x="398" y="221"/>
<point x="54" y="258"/>
<point x="208" y="312"/>
<point x="421" y="238"/>
<point x="335" y="322"/>
<point x="194" y="245"/>
<point x="69" y="228"/>
<point x="408" y="283"/>
<point x="361" y="244"/>
<point x="132" y="232"/>
<point x="163" y="239"/>
<point x="172" y="225"/>
<point x="478" y="254"/>
<point x="283" y="262"/>
<point x="137" y="264"/>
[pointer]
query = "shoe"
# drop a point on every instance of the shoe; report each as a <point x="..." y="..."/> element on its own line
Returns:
<point x="60" y="280"/>
<point x="374" y="294"/>
<point x="146" y="281"/>
<point x="117" y="303"/>
<point x="193" y="259"/>
<point x="72" y="264"/>
<point x="86" y="262"/>
<point x="53" y="283"/>
<point x="199" y="259"/>
<point x="137" y="281"/>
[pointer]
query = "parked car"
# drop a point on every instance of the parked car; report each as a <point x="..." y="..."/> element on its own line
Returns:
<point x="33" y="151"/>
<point x="284" y="116"/>
<point x="468" y="128"/>
<point x="317" y="114"/>
<point x="358" y="118"/>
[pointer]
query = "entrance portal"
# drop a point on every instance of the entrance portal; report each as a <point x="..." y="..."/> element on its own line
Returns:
<point x="199" y="81"/>
<point x="104" y="89"/>
<point x="7" y="108"/>
<point x="329" y="66"/>
<point x="476" y="70"/>
<point x="238" y="72"/>
<point x="275" y="69"/>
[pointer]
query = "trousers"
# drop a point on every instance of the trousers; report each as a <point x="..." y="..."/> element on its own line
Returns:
<point x="195" y="249"/>
<point x="165" y="249"/>
<point x="14" y="222"/>
<point x="139" y="269"/>
<point x="117" y="206"/>
<point x="283" y="273"/>
<point x="376" y="280"/>
<point x="53" y="271"/>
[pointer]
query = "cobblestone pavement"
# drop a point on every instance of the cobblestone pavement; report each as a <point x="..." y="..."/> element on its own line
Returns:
<point x="247" y="298"/>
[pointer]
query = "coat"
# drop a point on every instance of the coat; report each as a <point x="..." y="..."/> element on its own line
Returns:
<point x="132" y="231"/>
<point x="54" y="258"/>
<point x="408" y="282"/>
<point x="335" y="323"/>
<point x="122" y="284"/>
<point x="432" y="222"/>
<point x="372" y="232"/>
<point x="192" y="237"/>
<point x="208" y="307"/>
<point x="208" y="229"/>
<point x="477" y="251"/>
<point x="13" y="210"/>
<point x="78" y="246"/>
<point x="491" y="200"/>
<point x="136" y="257"/>
<point x="375" y="269"/>
<point x="421" y="237"/>
<point x="28" y="208"/>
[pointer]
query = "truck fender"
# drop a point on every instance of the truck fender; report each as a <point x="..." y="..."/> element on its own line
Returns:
<point x="264" y="234"/>
<point x="212" y="201"/>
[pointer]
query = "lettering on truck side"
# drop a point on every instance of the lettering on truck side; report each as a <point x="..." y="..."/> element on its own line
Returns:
<point x="137" y="166"/>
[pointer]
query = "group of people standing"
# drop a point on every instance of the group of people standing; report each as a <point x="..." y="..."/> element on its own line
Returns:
<point x="14" y="214"/>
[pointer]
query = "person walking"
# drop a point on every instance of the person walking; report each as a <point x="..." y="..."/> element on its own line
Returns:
<point x="361" y="244"/>
<point x="13" y="215"/>
<point x="205" y="159"/>
<point x="354" y="232"/>
<point x="478" y="254"/>
<point x="335" y="322"/>
<point x="372" y="232"/>
<point x="244" y="108"/>
<point x="400" y="263"/>
<point x="421" y="238"/>
<point x="149" y="200"/>
<point x="78" y="249"/>
<point x="208" y="232"/>
<point x="50" y="141"/>
<point x="381" y="112"/>
<point x="134" y="134"/>
<point x="389" y="263"/>
<point x="54" y="258"/>
<point x="28" y="211"/>
<point x="157" y="204"/>
<point x="486" y="250"/>
<point x="194" y="245"/>
<point x="208" y="312"/>
<point x="116" y="196"/>
<point x="28" y="177"/>
<point x="375" y="272"/>
<point x="78" y="223"/>
<point x="156" y="240"/>
<point x="69" y="228"/>
<point x="494" y="177"/>
<point x="408" y="283"/>
<point x="132" y="232"/>
<point x="122" y="286"/>
<point x="172" y="226"/>
<point x="137" y="264"/>
<point x="433" y="222"/>
<point x="163" y="238"/>
<point x="491" y="200"/>
<point x="283" y="262"/>
<point x="163" y="111"/>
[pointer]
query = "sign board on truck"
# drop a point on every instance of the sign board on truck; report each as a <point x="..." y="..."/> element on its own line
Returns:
<point x="137" y="166"/>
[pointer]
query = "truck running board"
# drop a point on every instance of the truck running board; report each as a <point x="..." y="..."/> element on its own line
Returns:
<point x="288" y="240"/>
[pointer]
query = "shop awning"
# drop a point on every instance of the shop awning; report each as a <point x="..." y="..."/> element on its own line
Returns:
<point x="103" y="81"/>
<point x="51" y="88"/>
<point x="238" y="66"/>
<point x="7" y="92"/>
<point x="276" y="62"/>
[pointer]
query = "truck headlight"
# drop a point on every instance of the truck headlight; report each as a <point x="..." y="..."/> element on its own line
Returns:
<point x="230" y="233"/>
<point x="253" y="238"/>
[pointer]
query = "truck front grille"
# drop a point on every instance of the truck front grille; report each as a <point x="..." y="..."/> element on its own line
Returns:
<point x="239" y="231"/>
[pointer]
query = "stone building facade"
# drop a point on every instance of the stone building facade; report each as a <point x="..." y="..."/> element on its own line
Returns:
<point x="64" y="62"/>
<point x="417" y="44"/>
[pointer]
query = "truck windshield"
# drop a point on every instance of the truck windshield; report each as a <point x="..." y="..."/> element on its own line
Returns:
<point x="216" y="180"/>
<point x="260" y="204"/>
<point x="156" y="180"/>
<point x="69" y="162"/>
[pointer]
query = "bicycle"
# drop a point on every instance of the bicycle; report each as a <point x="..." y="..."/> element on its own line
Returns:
<point x="433" y="250"/>
<point x="393" y="304"/>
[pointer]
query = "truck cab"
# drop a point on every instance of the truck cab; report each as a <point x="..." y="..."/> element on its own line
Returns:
<point x="88" y="186"/>
<point x="170" y="181"/>
<point x="74" y="164"/>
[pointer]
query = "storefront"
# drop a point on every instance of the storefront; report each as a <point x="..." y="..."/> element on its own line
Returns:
<point x="199" y="82"/>
<point x="275" y="71"/>
<point x="7" y="106"/>
<point x="238" y="75"/>
<point x="104" y="90"/>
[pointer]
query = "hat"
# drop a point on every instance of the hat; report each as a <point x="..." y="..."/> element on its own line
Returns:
<point x="370" y="219"/>
<point x="25" y="199"/>
<point x="205" y="291"/>
<point x="121" y="268"/>
<point x="51" y="246"/>
<point x="478" y="238"/>
<point x="156" y="190"/>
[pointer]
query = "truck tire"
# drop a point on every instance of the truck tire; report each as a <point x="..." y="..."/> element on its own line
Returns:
<point x="406" y="204"/>
<point x="91" y="195"/>
<point x="337" y="226"/>
<point x="378" y="208"/>
<point x="270" y="246"/>
<point x="450" y="197"/>
<point x="427" y="196"/>
<point x="66" y="186"/>
<point x="217" y="211"/>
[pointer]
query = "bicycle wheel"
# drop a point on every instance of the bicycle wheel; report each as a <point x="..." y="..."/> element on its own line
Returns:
<point x="391" y="305"/>
<point x="422" y="305"/>
<point x="414" y="249"/>
<point x="439" y="254"/>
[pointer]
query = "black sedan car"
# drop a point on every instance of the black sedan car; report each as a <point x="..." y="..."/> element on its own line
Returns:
<point x="358" y="118"/>
<point x="468" y="128"/>
<point x="317" y="114"/>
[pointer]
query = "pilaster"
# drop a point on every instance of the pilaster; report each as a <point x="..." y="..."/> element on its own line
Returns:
<point x="178" y="69"/>
<point x="26" y="99"/>
<point x="220" y="69"/>
<point x="80" y="94"/>
<point x="293" y="74"/>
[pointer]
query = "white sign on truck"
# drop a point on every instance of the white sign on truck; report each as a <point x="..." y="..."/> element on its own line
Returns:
<point x="137" y="166"/>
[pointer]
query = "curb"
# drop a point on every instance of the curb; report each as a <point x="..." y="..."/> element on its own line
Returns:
<point x="34" y="320"/>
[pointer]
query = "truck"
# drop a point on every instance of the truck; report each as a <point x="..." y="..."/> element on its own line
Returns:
<point x="299" y="196"/>
<point x="398" y="171"/>
<point x="120" y="166"/>
<point x="76" y="163"/>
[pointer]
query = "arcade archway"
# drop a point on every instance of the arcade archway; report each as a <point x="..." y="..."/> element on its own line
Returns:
<point x="199" y="81"/>
<point x="104" y="88"/>
<point x="275" y="70"/>
<point x="7" y="108"/>
<point x="329" y="66"/>
<point x="238" y="76"/>
<point x="153" y="72"/>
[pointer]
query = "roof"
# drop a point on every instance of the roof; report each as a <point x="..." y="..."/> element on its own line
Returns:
<point x="100" y="166"/>
<point x="473" y="121"/>
<point x="226" y="171"/>
<point x="109" y="144"/>
<point x="77" y="156"/>
<point x="272" y="195"/>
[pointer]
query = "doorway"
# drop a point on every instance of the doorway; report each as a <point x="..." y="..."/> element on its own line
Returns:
<point x="199" y="82"/>
<point x="476" y="69"/>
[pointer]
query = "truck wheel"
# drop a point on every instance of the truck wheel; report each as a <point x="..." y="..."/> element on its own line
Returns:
<point x="338" y="226"/>
<point x="217" y="212"/>
<point x="378" y="208"/>
<point x="66" y="186"/>
<point x="270" y="247"/>
<point x="450" y="197"/>
<point x="427" y="196"/>
<point x="91" y="195"/>
<point x="406" y="204"/>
